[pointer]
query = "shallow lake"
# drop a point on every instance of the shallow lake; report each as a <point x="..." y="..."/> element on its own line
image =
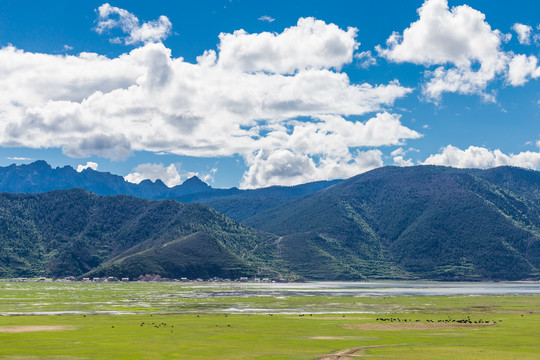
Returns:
<point x="176" y="297"/>
<point x="379" y="288"/>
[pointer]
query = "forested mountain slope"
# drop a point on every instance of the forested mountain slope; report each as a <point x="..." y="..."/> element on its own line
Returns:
<point x="417" y="222"/>
<point x="73" y="232"/>
<point x="426" y="221"/>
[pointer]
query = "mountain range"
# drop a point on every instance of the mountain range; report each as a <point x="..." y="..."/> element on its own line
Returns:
<point x="39" y="177"/>
<point x="393" y="222"/>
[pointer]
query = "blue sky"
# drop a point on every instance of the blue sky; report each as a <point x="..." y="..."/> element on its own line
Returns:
<point x="251" y="93"/>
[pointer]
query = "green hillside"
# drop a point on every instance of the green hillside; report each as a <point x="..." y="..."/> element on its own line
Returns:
<point x="429" y="222"/>
<point x="73" y="232"/>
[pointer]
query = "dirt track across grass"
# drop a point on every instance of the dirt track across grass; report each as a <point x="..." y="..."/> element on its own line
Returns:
<point x="351" y="353"/>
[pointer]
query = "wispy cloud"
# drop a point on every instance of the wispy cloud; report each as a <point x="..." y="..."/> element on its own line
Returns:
<point x="17" y="158"/>
<point x="209" y="177"/>
<point x="365" y="59"/>
<point x="266" y="18"/>
<point x="110" y="17"/>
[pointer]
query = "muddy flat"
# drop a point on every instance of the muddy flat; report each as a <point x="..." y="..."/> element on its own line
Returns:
<point x="23" y="329"/>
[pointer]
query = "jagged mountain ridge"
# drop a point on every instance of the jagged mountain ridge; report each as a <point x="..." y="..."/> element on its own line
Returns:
<point x="39" y="177"/>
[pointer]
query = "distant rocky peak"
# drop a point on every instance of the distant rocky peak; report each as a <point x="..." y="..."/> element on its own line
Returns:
<point x="194" y="181"/>
<point x="160" y="183"/>
<point x="39" y="165"/>
<point x="148" y="182"/>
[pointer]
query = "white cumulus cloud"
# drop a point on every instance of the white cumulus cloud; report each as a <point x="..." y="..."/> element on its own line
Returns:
<point x="401" y="161"/>
<point x="110" y="17"/>
<point x="284" y="167"/>
<point x="441" y="35"/>
<point x="335" y="135"/>
<point x="171" y="175"/>
<point x="398" y="156"/>
<point x="231" y="101"/>
<point x="480" y="157"/>
<point x="523" y="32"/>
<point x="311" y="151"/>
<point x="168" y="174"/>
<point x="311" y="44"/>
<point x="459" y="42"/>
<point x="522" y="68"/>
<point x="89" y="165"/>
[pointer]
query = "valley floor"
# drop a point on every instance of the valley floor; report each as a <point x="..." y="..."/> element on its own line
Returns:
<point x="231" y="321"/>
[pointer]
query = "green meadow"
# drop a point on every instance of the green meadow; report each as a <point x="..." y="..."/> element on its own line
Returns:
<point x="231" y="321"/>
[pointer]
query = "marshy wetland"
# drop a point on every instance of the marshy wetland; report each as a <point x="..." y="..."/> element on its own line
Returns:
<point x="390" y="320"/>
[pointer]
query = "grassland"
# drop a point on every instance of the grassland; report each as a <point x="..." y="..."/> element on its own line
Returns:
<point x="206" y="321"/>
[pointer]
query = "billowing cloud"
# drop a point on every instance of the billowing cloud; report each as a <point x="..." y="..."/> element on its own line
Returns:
<point x="335" y="135"/>
<point x="285" y="167"/>
<point x="259" y="94"/>
<point x="522" y="68"/>
<point x="479" y="157"/>
<point x="146" y="100"/>
<point x="401" y="161"/>
<point x="523" y="32"/>
<point x="441" y="35"/>
<point x="463" y="46"/>
<point x="168" y="174"/>
<point x="398" y="156"/>
<point x="89" y="165"/>
<point x="322" y="150"/>
<point x="110" y="17"/>
<point x="171" y="175"/>
<point x="311" y="44"/>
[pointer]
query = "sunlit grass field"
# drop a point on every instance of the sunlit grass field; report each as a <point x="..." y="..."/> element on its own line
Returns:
<point x="220" y="321"/>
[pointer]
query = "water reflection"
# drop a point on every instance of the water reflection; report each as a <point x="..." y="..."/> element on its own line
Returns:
<point x="380" y="288"/>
